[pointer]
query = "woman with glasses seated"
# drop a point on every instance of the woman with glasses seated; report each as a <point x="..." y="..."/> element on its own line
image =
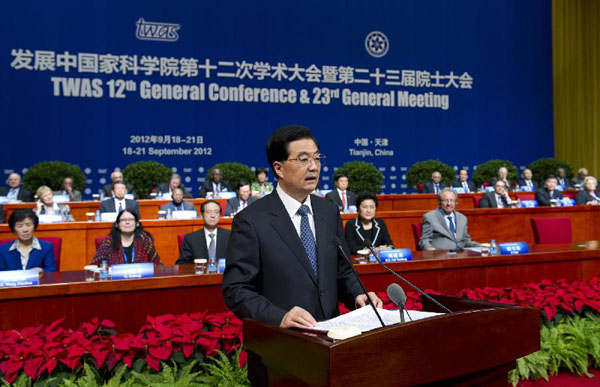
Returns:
<point x="26" y="252"/>
<point x="127" y="243"/>
<point x="366" y="226"/>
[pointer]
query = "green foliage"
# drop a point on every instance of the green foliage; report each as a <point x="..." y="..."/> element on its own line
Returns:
<point x="362" y="176"/>
<point x="548" y="166"/>
<point x="223" y="372"/>
<point x="169" y="376"/>
<point x="488" y="170"/>
<point x="233" y="173"/>
<point x="91" y="378"/>
<point x="573" y="343"/>
<point x="146" y="175"/>
<point x="52" y="173"/>
<point x="420" y="173"/>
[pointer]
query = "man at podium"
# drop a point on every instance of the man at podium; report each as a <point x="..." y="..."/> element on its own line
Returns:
<point x="282" y="266"/>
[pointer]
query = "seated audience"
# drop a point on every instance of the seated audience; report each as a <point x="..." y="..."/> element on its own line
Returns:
<point x="15" y="191"/>
<point x="527" y="179"/>
<point x="366" y="226"/>
<point x="261" y="186"/>
<point x="577" y="182"/>
<point x="444" y="228"/>
<point x="548" y="195"/>
<point x="26" y="252"/>
<point x="117" y="201"/>
<point x="67" y="189"/>
<point x="588" y="195"/>
<point x="464" y="182"/>
<point x="208" y="241"/>
<point x="241" y="200"/>
<point x="561" y="177"/>
<point x="46" y="205"/>
<point x="117" y="177"/>
<point x="340" y="196"/>
<point x="174" y="182"/>
<point x="502" y="176"/>
<point x="127" y="242"/>
<point x="496" y="199"/>
<point x="215" y="184"/>
<point x="177" y="203"/>
<point x="435" y="185"/>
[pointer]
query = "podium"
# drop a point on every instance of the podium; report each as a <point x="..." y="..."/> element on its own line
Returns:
<point x="476" y="344"/>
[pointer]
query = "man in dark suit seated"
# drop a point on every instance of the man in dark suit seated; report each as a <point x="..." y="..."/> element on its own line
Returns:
<point x="117" y="177"/>
<point x="496" y="199"/>
<point x="208" y="241"/>
<point x="68" y="189"/>
<point x="435" y="185"/>
<point x="502" y="176"/>
<point x="174" y="182"/>
<point x="561" y="177"/>
<point x="527" y="180"/>
<point x="118" y="203"/>
<point x="577" y="182"/>
<point x="464" y="182"/>
<point x="177" y="203"/>
<point x="15" y="191"/>
<point x="444" y="228"/>
<point x="215" y="184"/>
<point x="282" y="267"/>
<point x="242" y="200"/>
<point x="549" y="195"/>
<point x="340" y="196"/>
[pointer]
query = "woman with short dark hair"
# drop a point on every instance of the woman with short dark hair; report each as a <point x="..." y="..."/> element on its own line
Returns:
<point x="26" y="252"/>
<point x="127" y="242"/>
<point x="366" y="226"/>
<point x="262" y="186"/>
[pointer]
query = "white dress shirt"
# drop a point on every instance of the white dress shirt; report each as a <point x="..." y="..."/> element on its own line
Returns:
<point x="207" y="237"/>
<point x="292" y="206"/>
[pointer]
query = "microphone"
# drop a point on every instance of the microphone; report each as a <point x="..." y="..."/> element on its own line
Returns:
<point x="369" y="245"/>
<point x="398" y="297"/>
<point x="336" y="241"/>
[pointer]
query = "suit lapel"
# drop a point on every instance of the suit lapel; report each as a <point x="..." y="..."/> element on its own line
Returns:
<point x="493" y="200"/>
<point x="322" y="237"/>
<point x="283" y="226"/>
<point x="376" y="225"/>
<point x="202" y="241"/>
<point x="460" y="225"/>
<point x="443" y="223"/>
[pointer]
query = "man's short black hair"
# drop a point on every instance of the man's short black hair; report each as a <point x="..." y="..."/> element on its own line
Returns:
<point x="117" y="182"/>
<point x="337" y="177"/>
<point x="261" y="170"/>
<point x="366" y="195"/>
<point x="240" y="184"/>
<point x="278" y="145"/>
<point x="550" y="177"/>
<point x="207" y="202"/>
<point x="20" y="215"/>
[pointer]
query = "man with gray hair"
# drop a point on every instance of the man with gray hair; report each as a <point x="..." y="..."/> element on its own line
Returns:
<point x="435" y="185"/>
<point x="174" y="182"/>
<point x="444" y="228"/>
<point x="582" y="173"/>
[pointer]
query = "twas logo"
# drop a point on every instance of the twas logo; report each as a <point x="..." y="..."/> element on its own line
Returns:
<point x="377" y="44"/>
<point x="147" y="30"/>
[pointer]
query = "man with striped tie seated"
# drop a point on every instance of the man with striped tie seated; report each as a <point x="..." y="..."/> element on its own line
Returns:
<point x="118" y="203"/>
<point x="444" y="228"/>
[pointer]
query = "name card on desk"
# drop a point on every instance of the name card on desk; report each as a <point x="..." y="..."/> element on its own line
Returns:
<point x="224" y="195"/>
<point x="489" y="188"/>
<point x="526" y="188"/>
<point x="512" y="248"/>
<point x="62" y="198"/>
<point x="567" y="202"/>
<point x="50" y="218"/>
<point x="529" y="203"/>
<point x="459" y="190"/>
<point x="132" y="270"/>
<point x="395" y="255"/>
<point x="15" y="278"/>
<point x="186" y="214"/>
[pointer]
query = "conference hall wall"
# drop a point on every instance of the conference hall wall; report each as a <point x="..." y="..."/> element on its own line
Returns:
<point x="193" y="83"/>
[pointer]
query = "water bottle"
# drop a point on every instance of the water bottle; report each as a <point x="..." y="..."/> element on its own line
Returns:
<point x="493" y="249"/>
<point x="518" y="202"/>
<point x="103" y="271"/>
<point x="212" y="265"/>
<point x="169" y="213"/>
<point x="98" y="217"/>
<point x="101" y="195"/>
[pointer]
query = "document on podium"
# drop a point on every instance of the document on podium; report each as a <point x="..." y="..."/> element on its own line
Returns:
<point x="366" y="320"/>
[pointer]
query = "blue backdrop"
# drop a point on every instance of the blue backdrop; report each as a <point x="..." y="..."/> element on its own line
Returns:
<point x="191" y="83"/>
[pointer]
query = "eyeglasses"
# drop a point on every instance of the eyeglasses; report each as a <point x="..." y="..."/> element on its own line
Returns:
<point x="304" y="160"/>
<point x="127" y="220"/>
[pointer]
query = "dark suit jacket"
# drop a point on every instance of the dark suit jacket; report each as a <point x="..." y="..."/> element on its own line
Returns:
<point x="584" y="196"/>
<point x="207" y="187"/>
<point x="577" y="181"/>
<point x="543" y="196"/>
<point x="268" y="271"/>
<point x="488" y="200"/>
<point x="108" y="205"/>
<point x="429" y="188"/>
<point x="472" y="187"/>
<point x="234" y="203"/>
<point x="23" y="195"/>
<point x="44" y="258"/>
<point x="108" y="190"/>
<point x="356" y="240"/>
<point x="194" y="246"/>
<point x="164" y="188"/>
<point x="187" y="206"/>
<point x="2" y="216"/>
<point x="522" y="183"/>
<point x="335" y="198"/>
<point x="567" y="181"/>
